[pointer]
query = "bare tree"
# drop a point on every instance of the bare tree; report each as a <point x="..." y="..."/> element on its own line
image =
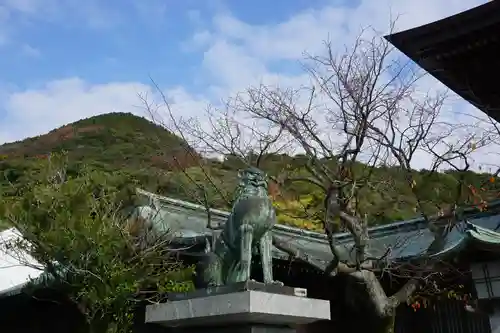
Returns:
<point x="361" y="109"/>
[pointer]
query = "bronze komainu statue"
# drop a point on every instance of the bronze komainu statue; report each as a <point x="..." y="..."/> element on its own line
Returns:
<point x="248" y="227"/>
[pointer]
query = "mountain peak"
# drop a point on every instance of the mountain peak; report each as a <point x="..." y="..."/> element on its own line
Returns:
<point x="111" y="138"/>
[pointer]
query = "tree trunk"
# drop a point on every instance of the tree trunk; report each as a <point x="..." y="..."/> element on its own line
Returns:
<point x="388" y="324"/>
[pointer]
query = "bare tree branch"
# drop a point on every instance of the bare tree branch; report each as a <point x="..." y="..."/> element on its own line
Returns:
<point x="360" y="112"/>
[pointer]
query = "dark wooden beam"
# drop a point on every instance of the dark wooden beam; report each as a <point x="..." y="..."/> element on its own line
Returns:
<point x="472" y="21"/>
<point x="461" y="52"/>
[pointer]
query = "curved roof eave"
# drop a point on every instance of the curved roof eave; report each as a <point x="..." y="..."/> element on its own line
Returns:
<point x="415" y="39"/>
<point x="483" y="237"/>
<point x="220" y="217"/>
<point x="474" y="235"/>
<point x="431" y="46"/>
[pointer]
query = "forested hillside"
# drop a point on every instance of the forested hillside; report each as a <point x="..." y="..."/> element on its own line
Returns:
<point x="132" y="151"/>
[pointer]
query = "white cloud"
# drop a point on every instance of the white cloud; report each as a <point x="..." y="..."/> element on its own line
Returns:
<point x="37" y="111"/>
<point x="57" y="103"/>
<point x="238" y="54"/>
<point x="306" y="30"/>
<point x="199" y="40"/>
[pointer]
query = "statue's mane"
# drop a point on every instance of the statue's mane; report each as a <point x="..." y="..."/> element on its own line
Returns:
<point x="251" y="178"/>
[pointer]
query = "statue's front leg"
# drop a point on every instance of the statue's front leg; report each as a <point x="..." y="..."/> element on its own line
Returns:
<point x="267" y="259"/>
<point x="246" y="232"/>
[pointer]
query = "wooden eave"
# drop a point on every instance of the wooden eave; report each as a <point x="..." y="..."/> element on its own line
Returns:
<point x="461" y="51"/>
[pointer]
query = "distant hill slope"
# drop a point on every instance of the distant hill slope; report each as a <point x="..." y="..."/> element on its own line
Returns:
<point x="130" y="150"/>
<point x="133" y="151"/>
<point x="113" y="140"/>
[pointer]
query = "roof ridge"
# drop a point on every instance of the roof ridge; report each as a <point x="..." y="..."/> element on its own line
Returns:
<point x="380" y="230"/>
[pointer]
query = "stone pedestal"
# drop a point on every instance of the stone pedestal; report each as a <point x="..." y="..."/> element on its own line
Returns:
<point x="247" y="308"/>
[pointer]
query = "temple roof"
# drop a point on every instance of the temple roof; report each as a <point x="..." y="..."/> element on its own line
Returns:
<point x="188" y="221"/>
<point x="461" y="52"/>
<point x="406" y="238"/>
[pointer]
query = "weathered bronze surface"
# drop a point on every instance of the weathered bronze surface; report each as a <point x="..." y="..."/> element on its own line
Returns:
<point x="248" y="227"/>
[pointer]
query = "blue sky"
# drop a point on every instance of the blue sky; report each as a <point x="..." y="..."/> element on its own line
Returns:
<point x="120" y="40"/>
<point x="61" y="60"/>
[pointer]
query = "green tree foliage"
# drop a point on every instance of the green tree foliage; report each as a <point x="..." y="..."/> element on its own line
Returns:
<point x="75" y="228"/>
<point x="70" y="207"/>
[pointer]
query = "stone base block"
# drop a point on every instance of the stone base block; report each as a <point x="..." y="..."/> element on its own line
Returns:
<point x="247" y="311"/>
<point x="243" y="328"/>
